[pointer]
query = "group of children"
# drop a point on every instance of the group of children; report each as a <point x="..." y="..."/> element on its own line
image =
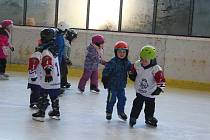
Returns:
<point x="147" y="74"/>
<point x="149" y="82"/>
<point x="47" y="70"/>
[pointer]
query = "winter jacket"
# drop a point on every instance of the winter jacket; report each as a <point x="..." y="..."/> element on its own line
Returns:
<point x="92" y="59"/>
<point x="114" y="75"/>
<point x="4" y="43"/>
<point x="61" y="44"/>
<point x="150" y="80"/>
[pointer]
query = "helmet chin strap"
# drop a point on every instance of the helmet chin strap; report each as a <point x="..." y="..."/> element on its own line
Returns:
<point x="152" y="63"/>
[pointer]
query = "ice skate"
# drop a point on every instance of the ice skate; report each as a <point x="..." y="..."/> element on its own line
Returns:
<point x="38" y="116"/>
<point x="81" y="90"/>
<point x="6" y="75"/>
<point x="54" y="114"/>
<point x="152" y="122"/>
<point x="108" y="116"/>
<point x="2" y="77"/>
<point x="94" y="89"/>
<point x="132" y="122"/>
<point x="68" y="85"/>
<point x="123" y="116"/>
<point x="62" y="90"/>
<point x="33" y="106"/>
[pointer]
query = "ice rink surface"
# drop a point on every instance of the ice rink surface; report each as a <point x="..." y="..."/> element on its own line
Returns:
<point x="182" y="115"/>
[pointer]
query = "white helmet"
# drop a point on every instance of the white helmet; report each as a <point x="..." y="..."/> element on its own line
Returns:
<point x="63" y="26"/>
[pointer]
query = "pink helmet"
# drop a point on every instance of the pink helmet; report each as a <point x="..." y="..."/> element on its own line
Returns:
<point x="98" y="39"/>
<point x="6" y="23"/>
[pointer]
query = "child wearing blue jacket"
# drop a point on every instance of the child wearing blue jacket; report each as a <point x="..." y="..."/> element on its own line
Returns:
<point x="114" y="78"/>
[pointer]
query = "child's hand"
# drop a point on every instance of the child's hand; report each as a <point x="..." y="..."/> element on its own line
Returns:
<point x="48" y="77"/>
<point x="103" y="62"/>
<point x="105" y="81"/>
<point x="12" y="49"/>
<point x="132" y="75"/>
<point x="68" y="62"/>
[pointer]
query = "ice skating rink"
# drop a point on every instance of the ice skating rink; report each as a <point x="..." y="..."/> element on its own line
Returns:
<point x="182" y="115"/>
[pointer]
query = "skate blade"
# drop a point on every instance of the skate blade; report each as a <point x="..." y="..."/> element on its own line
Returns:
<point x="93" y="91"/>
<point x="131" y="124"/>
<point x="40" y="119"/>
<point x="151" y="125"/>
<point x="122" y="118"/>
<point x="55" y="117"/>
<point x="34" y="107"/>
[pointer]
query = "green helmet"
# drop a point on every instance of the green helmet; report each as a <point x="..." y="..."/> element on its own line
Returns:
<point x="148" y="52"/>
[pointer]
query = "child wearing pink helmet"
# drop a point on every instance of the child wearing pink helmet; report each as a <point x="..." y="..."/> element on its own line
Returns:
<point x="92" y="60"/>
<point x="5" y="45"/>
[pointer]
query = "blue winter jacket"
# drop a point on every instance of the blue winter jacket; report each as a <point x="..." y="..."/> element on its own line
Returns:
<point x="114" y="75"/>
<point x="61" y="44"/>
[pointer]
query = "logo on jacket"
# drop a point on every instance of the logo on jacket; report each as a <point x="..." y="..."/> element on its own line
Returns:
<point x="143" y="84"/>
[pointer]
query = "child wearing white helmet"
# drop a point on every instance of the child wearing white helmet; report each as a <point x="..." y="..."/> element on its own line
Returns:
<point x="149" y="82"/>
<point x="62" y="29"/>
<point x="5" y="46"/>
<point x="70" y="36"/>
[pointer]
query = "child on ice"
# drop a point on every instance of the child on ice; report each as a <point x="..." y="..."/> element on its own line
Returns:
<point x="149" y="82"/>
<point x="5" y="46"/>
<point x="34" y="75"/>
<point x="114" y="78"/>
<point x="92" y="60"/>
<point x="50" y="76"/>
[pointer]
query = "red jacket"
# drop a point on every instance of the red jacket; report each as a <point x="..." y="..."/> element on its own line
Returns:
<point x="4" y="43"/>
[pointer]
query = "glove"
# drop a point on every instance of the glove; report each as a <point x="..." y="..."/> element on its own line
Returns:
<point x="12" y="49"/>
<point x="33" y="79"/>
<point x="68" y="62"/>
<point x="105" y="81"/>
<point x="48" y="77"/>
<point x="157" y="91"/>
<point x="132" y="75"/>
<point x="103" y="62"/>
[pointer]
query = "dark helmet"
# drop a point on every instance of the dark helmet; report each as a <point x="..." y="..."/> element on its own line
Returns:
<point x="47" y="34"/>
<point x="121" y="45"/>
<point x="71" y="34"/>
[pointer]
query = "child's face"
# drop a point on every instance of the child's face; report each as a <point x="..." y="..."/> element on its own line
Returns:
<point x="145" y="62"/>
<point x="101" y="46"/>
<point x="121" y="54"/>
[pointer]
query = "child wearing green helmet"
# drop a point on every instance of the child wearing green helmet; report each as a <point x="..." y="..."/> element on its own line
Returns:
<point x="149" y="82"/>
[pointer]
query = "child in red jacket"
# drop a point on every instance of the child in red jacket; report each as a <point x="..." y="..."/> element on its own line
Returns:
<point x="5" y="45"/>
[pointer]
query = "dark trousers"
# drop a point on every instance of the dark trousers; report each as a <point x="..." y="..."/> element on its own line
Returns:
<point x="3" y="63"/>
<point x="64" y="72"/>
<point x="138" y="104"/>
<point x="44" y="102"/>
<point x="35" y="94"/>
<point x="111" y="100"/>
